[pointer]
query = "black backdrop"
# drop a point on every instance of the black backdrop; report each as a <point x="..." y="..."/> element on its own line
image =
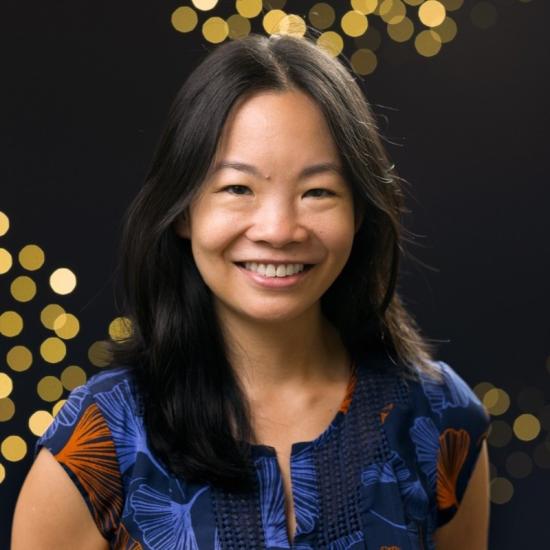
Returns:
<point x="86" y="87"/>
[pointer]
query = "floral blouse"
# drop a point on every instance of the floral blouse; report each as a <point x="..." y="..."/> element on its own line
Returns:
<point x="390" y="468"/>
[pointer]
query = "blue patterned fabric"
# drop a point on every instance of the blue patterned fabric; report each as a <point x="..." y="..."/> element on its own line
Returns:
<point x="391" y="467"/>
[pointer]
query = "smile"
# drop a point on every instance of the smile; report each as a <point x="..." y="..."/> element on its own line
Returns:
<point x="275" y="276"/>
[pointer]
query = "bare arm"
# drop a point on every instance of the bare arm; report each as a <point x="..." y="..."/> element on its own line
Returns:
<point x="50" y="513"/>
<point x="469" y="527"/>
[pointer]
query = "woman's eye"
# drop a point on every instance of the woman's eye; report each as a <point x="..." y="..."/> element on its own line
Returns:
<point x="329" y="193"/>
<point x="237" y="187"/>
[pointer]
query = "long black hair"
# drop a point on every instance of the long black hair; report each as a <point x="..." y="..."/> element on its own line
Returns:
<point x="196" y="414"/>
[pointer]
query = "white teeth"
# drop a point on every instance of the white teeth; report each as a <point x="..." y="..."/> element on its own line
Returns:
<point x="270" y="270"/>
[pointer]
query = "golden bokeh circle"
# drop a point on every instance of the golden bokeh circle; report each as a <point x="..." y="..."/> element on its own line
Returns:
<point x="519" y="464"/>
<point x="452" y="5"/>
<point x="120" y="328"/>
<point x="4" y="223"/>
<point x="215" y="30"/>
<point x="402" y="31"/>
<point x="331" y="42"/>
<point x="427" y="43"/>
<point x="204" y="5"/>
<point x="482" y="388"/>
<point x="31" y="257"/>
<point x="371" y="40"/>
<point x="66" y="326"/>
<point x="49" y="314"/>
<point x="58" y="406"/>
<point x="53" y="349"/>
<point x="271" y="21"/>
<point x="483" y="15"/>
<point x="39" y="422"/>
<point x="496" y="401"/>
<point x="19" y="358"/>
<point x="98" y="354"/>
<point x="184" y="19"/>
<point x="23" y="288"/>
<point x="364" y="61"/>
<point x="447" y="31"/>
<point x="354" y="23"/>
<point x="500" y="433"/>
<point x="248" y="8"/>
<point x="239" y="26"/>
<point x="321" y="15"/>
<point x="364" y="6"/>
<point x="72" y="377"/>
<point x="7" y="409"/>
<point x="2" y="473"/>
<point x="293" y="25"/>
<point x="392" y="11"/>
<point x="63" y="281"/>
<point x="49" y="388"/>
<point x="6" y="385"/>
<point x="13" y="448"/>
<point x="6" y="261"/>
<point x="501" y="490"/>
<point x="11" y="324"/>
<point x="526" y="427"/>
<point x="432" y="13"/>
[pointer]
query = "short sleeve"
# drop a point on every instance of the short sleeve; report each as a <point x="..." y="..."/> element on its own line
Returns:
<point x="81" y="441"/>
<point x="462" y="425"/>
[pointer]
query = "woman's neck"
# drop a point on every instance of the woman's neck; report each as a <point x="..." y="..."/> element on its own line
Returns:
<point x="305" y="351"/>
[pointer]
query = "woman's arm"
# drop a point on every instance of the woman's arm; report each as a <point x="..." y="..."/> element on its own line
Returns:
<point x="50" y="513"/>
<point x="469" y="527"/>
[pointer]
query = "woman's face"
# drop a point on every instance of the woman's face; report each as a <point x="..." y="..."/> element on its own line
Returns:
<point x="278" y="196"/>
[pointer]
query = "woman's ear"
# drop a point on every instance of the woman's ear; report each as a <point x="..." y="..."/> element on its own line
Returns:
<point x="181" y="226"/>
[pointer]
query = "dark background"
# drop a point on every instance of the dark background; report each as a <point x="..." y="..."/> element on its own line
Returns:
<point x="85" y="90"/>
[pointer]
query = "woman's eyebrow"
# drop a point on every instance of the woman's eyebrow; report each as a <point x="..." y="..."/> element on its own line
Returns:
<point x="255" y="171"/>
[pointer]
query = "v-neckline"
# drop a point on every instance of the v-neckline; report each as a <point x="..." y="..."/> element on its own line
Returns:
<point x="258" y="450"/>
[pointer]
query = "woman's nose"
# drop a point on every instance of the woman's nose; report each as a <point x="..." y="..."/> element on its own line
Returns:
<point x="278" y="225"/>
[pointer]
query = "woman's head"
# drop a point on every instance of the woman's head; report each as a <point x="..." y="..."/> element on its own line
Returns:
<point x="230" y="77"/>
<point x="237" y="106"/>
<point x="276" y="194"/>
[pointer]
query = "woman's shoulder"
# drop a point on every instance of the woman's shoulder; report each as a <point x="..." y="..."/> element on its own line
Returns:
<point x="450" y="399"/>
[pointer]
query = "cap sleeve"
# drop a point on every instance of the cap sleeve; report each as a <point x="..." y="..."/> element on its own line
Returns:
<point x="81" y="441"/>
<point x="463" y="424"/>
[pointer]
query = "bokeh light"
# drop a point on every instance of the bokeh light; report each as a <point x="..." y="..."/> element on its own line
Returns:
<point x="500" y="433"/>
<point x="354" y="23"/>
<point x="39" y="422"/>
<point x="23" y="288"/>
<point x="496" y="401"/>
<point x="6" y="261"/>
<point x="184" y="19"/>
<point x="19" y="358"/>
<point x="11" y="324"/>
<point x="526" y="427"/>
<point x="63" y="281"/>
<point x="4" y="224"/>
<point x="483" y="15"/>
<point x="322" y="15"/>
<point x="502" y="490"/>
<point x="98" y="354"/>
<point x="13" y="448"/>
<point x="331" y="42"/>
<point x="427" y="43"/>
<point x="53" y="349"/>
<point x="519" y="464"/>
<point x="31" y="257"/>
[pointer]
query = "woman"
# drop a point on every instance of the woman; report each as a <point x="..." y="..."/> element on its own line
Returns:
<point x="274" y="392"/>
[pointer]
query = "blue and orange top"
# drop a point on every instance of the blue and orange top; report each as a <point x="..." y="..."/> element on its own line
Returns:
<point x="390" y="468"/>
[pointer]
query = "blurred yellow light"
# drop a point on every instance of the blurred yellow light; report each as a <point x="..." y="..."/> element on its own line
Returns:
<point x="432" y="13"/>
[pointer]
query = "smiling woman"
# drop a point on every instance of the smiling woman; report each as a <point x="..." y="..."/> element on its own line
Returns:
<point x="274" y="392"/>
